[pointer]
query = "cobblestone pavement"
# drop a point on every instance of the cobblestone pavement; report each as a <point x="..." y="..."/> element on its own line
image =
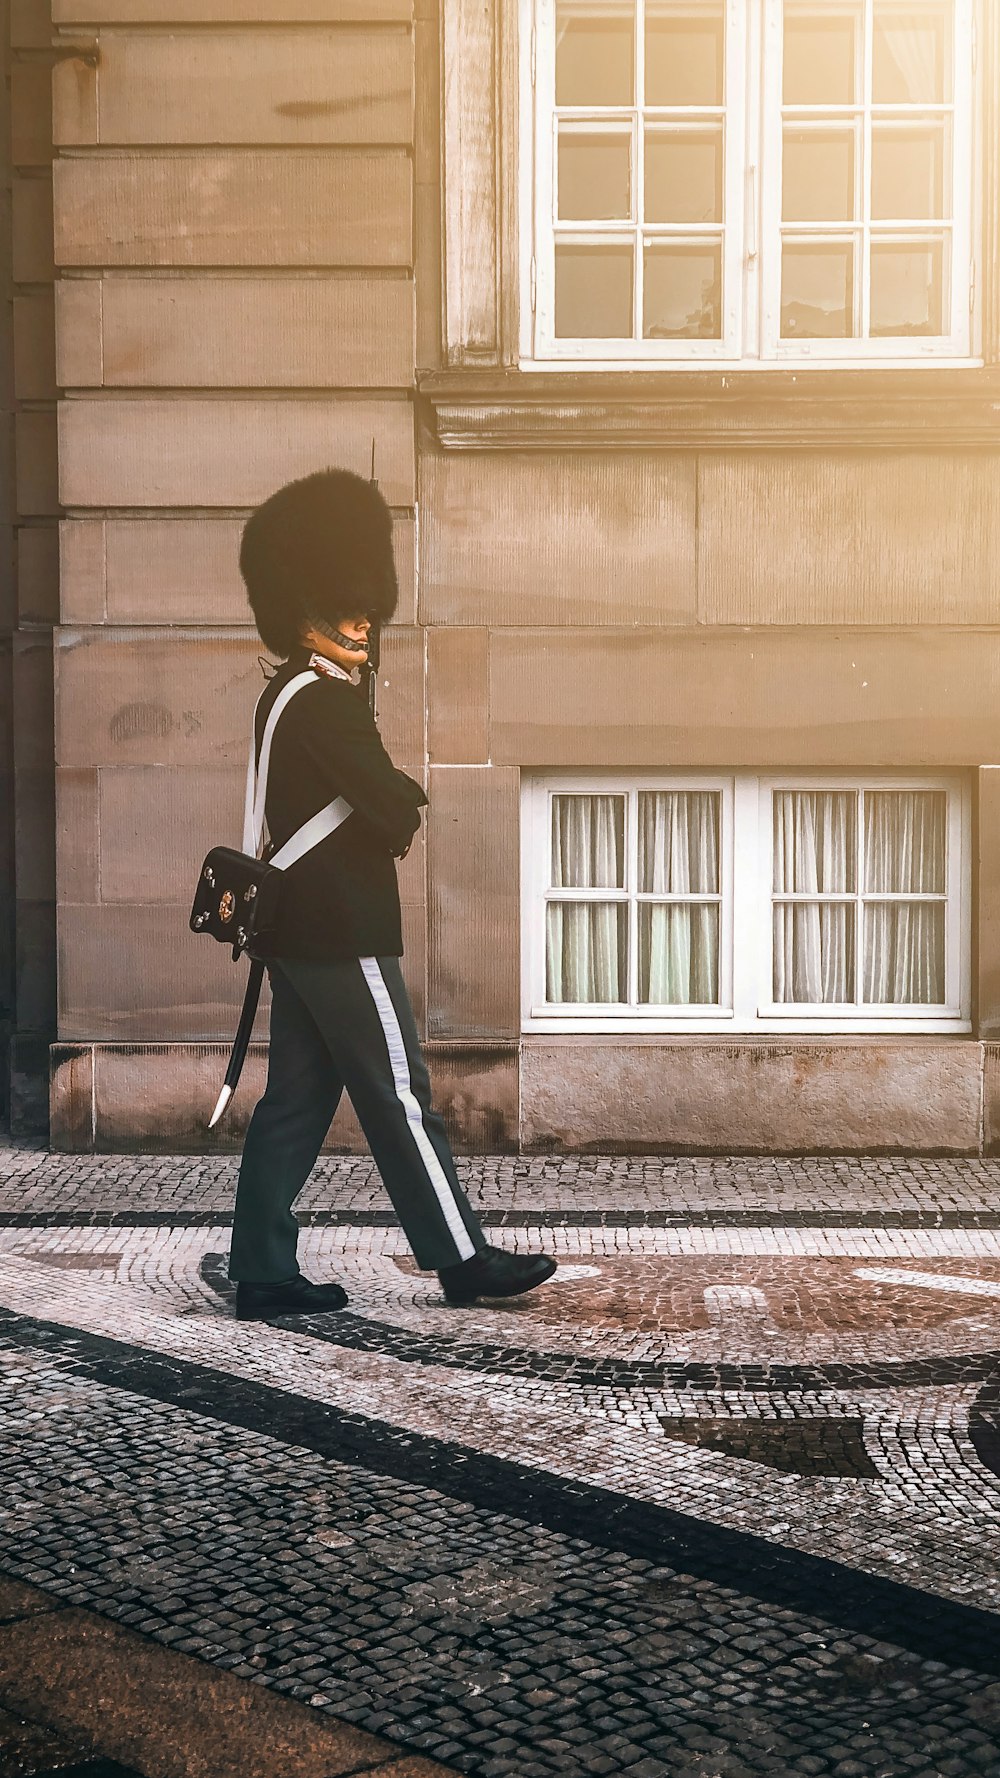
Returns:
<point x="174" y="1716"/>
<point x="722" y="1500"/>
<point x="193" y="1190"/>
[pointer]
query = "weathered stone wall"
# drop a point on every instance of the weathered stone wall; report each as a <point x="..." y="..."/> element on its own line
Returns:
<point x="247" y="228"/>
<point x="28" y="569"/>
<point x="233" y="214"/>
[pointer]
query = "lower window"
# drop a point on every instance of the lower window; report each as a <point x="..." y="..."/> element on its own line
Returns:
<point x="742" y="901"/>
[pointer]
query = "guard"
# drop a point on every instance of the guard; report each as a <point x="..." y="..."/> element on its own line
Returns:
<point x="318" y="565"/>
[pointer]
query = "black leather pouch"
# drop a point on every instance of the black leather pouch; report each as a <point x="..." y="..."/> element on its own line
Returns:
<point x="236" y="901"/>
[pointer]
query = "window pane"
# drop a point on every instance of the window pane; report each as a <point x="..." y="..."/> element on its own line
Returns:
<point x="595" y="53"/>
<point x="906" y="841"/>
<point x="817" y="176"/>
<point x="682" y="292"/>
<point x="588" y="842"/>
<point x="814" y="953"/>
<point x="821" y="56"/>
<point x="585" y="952"/>
<point x="684" y="176"/>
<point x="910" y="54"/>
<point x="814" y="841"/>
<point x="678" y="955"/>
<point x="679" y="842"/>
<point x="908" y="173"/>
<point x="684" y="54"/>
<point x="907" y="288"/>
<point x="594" y="292"/>
<point x="904" y="953"/>
<point x="817" y="290"/>
<point x="594" y="177"/>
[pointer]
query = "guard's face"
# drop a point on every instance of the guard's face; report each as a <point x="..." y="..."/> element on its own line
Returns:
<point x="358" y="629"/>
<point x="353" y="629"/>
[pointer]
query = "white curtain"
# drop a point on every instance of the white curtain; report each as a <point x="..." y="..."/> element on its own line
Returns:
<point x="678" y="855"/>
<point x="905" y="842"/>
<point x="905" y="836"/>
<point x="814" y="833"/>
<point x="905" y="853"/>
<point x="585" y="953"/>
<point x="912" y="37"/>
<point x="588" y="842"/>
<point x="586" y="940"/>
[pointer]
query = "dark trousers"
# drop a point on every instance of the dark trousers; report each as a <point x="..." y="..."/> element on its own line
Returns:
<point x="336" y="1026"/>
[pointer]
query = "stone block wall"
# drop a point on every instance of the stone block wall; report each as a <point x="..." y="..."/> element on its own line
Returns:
<point x="28" y="570"/>
<point x="248" y="239"/>
<point x="235" y="307"/>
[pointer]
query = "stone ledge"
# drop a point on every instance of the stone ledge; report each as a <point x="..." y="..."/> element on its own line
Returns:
<point x="156" y="1098"/>
<point x="577" y="1095"/>
<point x="760" y="1095"/>
<point x="789" y="409"/>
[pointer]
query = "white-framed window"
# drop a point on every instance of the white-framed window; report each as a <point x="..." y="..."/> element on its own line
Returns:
<point x="694" y="901"/>
<point x="748" y="181"/>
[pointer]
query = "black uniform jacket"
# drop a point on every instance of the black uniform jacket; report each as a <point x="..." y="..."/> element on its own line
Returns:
<point x="341" y="899"/>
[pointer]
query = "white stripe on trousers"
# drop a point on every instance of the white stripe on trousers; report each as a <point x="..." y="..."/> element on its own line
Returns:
<point x="414" y="1116"/>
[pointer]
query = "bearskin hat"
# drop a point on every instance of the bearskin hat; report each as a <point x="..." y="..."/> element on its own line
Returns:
<point x="318" y="548"/>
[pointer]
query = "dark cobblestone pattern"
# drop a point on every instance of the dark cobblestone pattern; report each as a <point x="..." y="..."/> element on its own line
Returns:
<point x="361" y="1334"/>
<point x="841" y="1392"/>
<point x="804" y="1447"/>
<point x="924" y="1622"/>
<point x="539" y="1384"/>
<point x="36" y="1187"/>
<point x="984" y="1425"/>
<point x="502" y="1646"/>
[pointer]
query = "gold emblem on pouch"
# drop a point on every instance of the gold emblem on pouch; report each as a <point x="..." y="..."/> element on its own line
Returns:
<point x="227" y="906"/>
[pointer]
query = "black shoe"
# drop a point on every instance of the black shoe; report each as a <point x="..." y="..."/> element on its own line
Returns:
<point x="299" y="1296"/>
<point x="495" y="1273"/>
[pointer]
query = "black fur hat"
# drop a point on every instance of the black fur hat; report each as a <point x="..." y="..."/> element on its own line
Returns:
<point x="318" y="548"/>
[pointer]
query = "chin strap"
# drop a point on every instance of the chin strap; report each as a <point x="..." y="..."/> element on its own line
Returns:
<point x="374" y="650"/>
<point x="350" y="643"/>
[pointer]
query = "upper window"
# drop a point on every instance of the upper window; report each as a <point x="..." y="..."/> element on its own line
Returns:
<point x="749" y="180"/>
<point x="746" y="901"/>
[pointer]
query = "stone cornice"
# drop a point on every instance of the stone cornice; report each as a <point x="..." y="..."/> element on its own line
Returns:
<point x="927" y="409"/>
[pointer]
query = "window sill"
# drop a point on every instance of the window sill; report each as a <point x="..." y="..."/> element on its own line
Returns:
<point x="764" y="1031"/>
<point x="922" y="409"/>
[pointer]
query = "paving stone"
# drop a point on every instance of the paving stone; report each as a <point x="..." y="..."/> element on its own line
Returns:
<point x="624" y="1190"/>
<point x="525" y="1540"/>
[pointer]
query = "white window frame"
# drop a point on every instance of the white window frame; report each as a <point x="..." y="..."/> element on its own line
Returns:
<point x="751" y="216"/>
<point x="959" y="270"/>
<point x="543" y="133"/>
<point x="745" y="957"/>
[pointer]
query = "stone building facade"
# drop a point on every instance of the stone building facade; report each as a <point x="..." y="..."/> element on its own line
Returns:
<point x="698" y="523"/>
